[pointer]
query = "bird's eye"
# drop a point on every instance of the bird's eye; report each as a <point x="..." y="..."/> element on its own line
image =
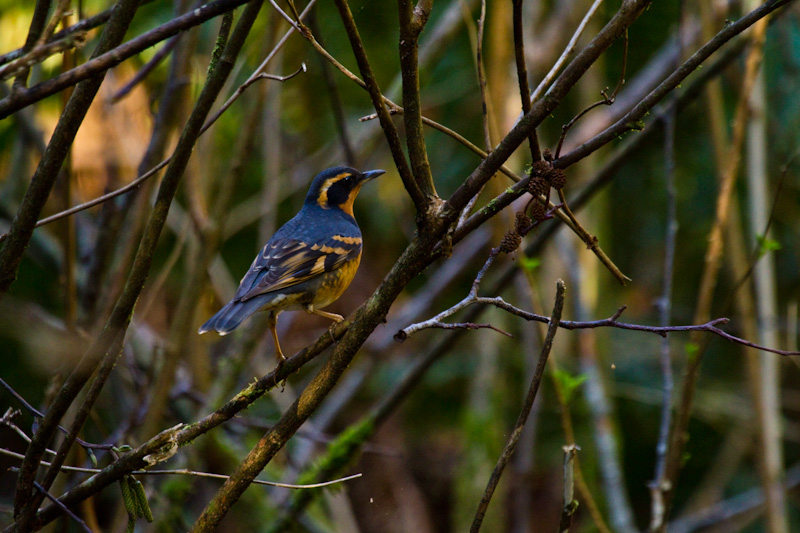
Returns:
<point x="348" y="180"/>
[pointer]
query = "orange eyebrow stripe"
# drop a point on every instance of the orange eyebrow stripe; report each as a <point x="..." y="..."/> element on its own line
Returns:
<point x="347" y="240"/>
<point x="322" y="200"/>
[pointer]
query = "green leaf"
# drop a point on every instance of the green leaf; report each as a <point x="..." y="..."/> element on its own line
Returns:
<point x="692" y="349"/>
<point x="530" y="263"/>
<point x="766" y="245"/>
<point x="568" y="382"/>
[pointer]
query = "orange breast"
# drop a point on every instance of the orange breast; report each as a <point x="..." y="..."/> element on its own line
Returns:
<point x="335" y="283"/>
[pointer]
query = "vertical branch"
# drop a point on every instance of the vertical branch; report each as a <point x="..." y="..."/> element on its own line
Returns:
<point x="511" y="445"/>
<point x="659" y="484"/>
<point x="335" y="98"/>
<point x="487" y="138"/>
<point x="38" y="23"/>
<point x="412" y="21"/>
<point x="769" y="417"/>
<point x="480" y="68"/>
<point x="522" y="77"/>
<point x="68" y="225"/>
<point x="679" y="435"/>
<point x="570" y="504"/>
<point x="414" y="189"/>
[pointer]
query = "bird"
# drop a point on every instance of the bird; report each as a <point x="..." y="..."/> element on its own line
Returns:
<point x="308" y="263"/>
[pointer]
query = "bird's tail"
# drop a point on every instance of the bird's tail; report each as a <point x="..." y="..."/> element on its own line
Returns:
<point x="229" y="317"/>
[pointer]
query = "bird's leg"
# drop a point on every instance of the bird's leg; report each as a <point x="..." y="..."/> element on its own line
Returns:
<point x="272" y="322"/>
<point x="332" y="316"/>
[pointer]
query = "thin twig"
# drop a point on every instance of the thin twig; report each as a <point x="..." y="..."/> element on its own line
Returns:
<point x="38" y="414"/>
<point x="187" y="472"/>
<point x="612" y="322"/>
<point x="658" y="485"/>
<point x="487" y="138"/>
<point x="145" y="71"/>
<point x="607" y="99"/>
<point x="397" y="110"/>
<point x="566" y="53"/>
<point x="63" y="507"/>
<point x="511" y="445"/>
<point x="522" y="76"/>
<point x="481" y="72"/>
<point x="591" y="241"/>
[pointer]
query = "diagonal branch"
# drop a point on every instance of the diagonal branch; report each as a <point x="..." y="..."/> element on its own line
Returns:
<point x="541" y="109"/>
<point x="629" y="121"/>
<point x="511" y="445"/>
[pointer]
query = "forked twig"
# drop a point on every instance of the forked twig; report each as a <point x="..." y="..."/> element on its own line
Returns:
<point x="612" y="322"/>
<point x="607" y="99"/>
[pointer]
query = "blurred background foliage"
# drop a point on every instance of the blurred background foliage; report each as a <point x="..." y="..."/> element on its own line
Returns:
<point x="426" y="467"/>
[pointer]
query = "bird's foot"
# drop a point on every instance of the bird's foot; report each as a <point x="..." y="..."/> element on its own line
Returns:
<point x="281" y="359"/>
<point x="332" y="332"/>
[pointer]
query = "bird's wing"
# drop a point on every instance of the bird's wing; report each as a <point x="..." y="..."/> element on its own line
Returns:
<point x="284" y="262"/>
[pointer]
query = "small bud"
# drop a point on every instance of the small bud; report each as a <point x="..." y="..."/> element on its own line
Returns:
<point x="547" y="155"/>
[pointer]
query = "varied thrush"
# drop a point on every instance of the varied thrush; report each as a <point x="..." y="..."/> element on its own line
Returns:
<point x="310" y="260"/>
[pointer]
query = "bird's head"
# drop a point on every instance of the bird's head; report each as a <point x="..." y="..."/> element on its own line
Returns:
<point x="337" y="187"/>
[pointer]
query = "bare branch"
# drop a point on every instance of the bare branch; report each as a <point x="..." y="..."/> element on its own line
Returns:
<point x="630" y="120"/>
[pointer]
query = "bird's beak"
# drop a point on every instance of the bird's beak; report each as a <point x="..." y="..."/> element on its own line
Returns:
<point x="371" y="175"/>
